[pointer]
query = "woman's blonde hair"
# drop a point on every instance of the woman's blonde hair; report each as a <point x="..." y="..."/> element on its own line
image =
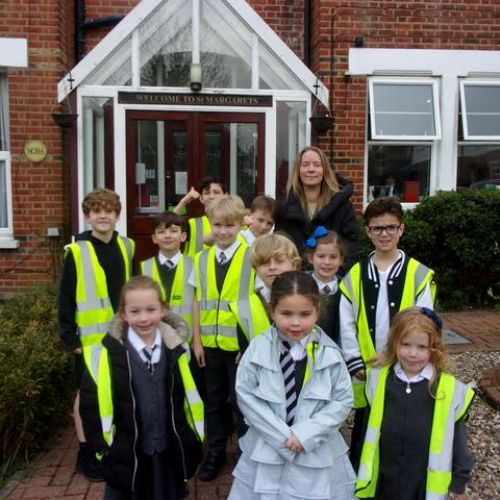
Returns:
<point x="329" y="184"/>
<point x="273" y="245"/>
<point x="230" y="207"/>
<point x="417" y="319"/>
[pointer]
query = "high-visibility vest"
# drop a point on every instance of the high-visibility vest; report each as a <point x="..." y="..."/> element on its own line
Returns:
<point x="97" y="362"/>
<point x="93" y="306"/>
<point x="217" y="322"/>
<point x="251" y="315"/>
<point x="199" y="227"/>
<point x="416" y="278"/>
<point x="453" y="399"/>
<point x="180" y="302"/>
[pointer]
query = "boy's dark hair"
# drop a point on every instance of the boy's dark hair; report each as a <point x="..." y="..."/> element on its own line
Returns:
<point x="168" y="219"/>
<point x="295" y="283"/>
<point x="381" y="206"/>
<point x="264" y="203"/>
<point x="101" y="198"/>
<point x="206" y="181"/>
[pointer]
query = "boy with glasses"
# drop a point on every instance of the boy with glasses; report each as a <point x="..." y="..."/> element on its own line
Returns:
<point x="373" y="292"/>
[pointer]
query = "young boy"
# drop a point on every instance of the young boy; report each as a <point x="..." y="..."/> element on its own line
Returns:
<point x="199" y="230"/>
<point x="169" y="267"/>
<point x="373" y="291"/>
<point x="222" y="274"/>
<point x="271" y="255"/>
<point x="95" y="268"/>
<point x="262" y="217"/>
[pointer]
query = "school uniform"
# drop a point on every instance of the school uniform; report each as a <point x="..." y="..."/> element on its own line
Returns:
<point x="267" y="469"/>
<point x="329" y="318"/>
<point x="142" y="414"/>
<point x="248" y="236"/>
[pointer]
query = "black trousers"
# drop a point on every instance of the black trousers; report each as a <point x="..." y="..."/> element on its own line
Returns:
<point x="357" y="437"/>
<point x="220" y="376"/>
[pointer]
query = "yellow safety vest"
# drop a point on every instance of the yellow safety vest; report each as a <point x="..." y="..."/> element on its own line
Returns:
<point x="93" y="306"/>
<point x="251" y="315"/>
<point x="182" y="294"/>
<point x="416" y="278"/>
<point x="217" y="321"/>
<point x="199" y="227"/>
<point x="453" y="399"/>
<point x="97" y="362"/>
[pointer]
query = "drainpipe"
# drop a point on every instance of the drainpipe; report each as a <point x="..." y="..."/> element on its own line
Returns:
<point x="307" y="33"/>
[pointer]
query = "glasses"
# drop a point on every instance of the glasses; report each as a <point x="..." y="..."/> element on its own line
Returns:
<point x="389" y="229"/>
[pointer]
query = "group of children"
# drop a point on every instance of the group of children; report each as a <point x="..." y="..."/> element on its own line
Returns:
<point x="275" y="353"/>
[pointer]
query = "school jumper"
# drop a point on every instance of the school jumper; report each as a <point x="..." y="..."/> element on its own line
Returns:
<point x="132" y="417"/>
<point x="199" y="227"/>
<point x="267" y="469"/>
<point x="174" y="284"/>
<point x="92" y="277"/>
<point x="217" y="285"/>
<point x="416" y="444"/>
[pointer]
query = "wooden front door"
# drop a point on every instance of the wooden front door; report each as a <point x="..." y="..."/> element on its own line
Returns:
<point x="168" y="152"/>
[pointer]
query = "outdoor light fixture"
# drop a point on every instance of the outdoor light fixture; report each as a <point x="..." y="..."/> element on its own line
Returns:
<point x="195" y="77"/>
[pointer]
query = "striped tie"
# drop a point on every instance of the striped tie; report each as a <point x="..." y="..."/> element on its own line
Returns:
<point x="326" y="290"/>
<point x="148" y="352"/>
<point x="288" y="369"/>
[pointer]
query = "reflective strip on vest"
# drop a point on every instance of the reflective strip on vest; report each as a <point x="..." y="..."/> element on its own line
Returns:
<point x="416" y="278"/>
<point x="193" y="405"/>
<point x="452" y="401"/>
<point x="180" y="302"/>
<point x="199" y="227"/>
<point x="217" y="321"/>
<point x="251" y="315"/>
<point x="97" y="362"/>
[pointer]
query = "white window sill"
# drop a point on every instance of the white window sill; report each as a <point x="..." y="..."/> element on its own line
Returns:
<point x="8" y="244"/>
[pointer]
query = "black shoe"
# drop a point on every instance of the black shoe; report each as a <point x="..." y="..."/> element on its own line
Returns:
<point x="89" y="466"/>
<point x="212" y="466"/>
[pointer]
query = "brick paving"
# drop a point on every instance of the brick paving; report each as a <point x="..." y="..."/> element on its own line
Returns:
<point x="52" y="476"/>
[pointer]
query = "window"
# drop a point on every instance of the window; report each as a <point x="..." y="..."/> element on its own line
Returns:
<point x="6" y="233"/>
<point x="404" y="110"/>
<point x="404" y="123"/>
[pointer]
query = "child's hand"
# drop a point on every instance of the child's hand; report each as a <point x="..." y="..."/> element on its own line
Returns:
<point x="247" y="220"/>
<point x="360" y="375"/>
<point x="294" y="445"/>
<point x="199" y="353"/>
<point x="78" y="350"/>
<point x="193" y="194"/>
<point x="376" y="361"/>
<point x="238" y="357"/>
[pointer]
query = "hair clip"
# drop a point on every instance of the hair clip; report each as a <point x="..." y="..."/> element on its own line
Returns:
<point x="319" y="232"/>
<point x="438" y="322"/>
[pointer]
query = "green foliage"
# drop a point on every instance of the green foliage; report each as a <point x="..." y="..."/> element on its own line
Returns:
<point x="35" y="376"/>
<point x="457" y="235"/>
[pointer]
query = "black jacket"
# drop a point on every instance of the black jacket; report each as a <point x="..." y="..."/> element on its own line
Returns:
<point x="120" y="460"/>
<point x="338" y="215"/>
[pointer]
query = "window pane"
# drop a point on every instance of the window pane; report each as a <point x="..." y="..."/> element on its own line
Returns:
<point x="4" y="113"/>
<point x="290" y="139"/>
<point x="4" y="219"/>
<point x="403" y="110"/>
<point x="482" y="104"/>
<point x="399" y="171"/>
<point x="478" y="166"/>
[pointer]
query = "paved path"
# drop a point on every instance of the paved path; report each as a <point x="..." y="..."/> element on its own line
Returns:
<point x="53" y="477"/>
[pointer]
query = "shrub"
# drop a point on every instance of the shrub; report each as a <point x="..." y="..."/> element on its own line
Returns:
<point x="35" y="395"/>
<point x="457" y="235"/>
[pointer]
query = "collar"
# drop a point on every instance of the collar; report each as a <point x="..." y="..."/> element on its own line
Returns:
<point x="332" y="284"/>
<point x="392" y="272"/>
<point x="298" y="347"/>
<point x="175" y="259"/>
<point x="229" y="251"/>
<point x="426" y="373"/>
<point x="248" y="236"/>
<point x="138" y="344"/>
<point x="265" y="292"/>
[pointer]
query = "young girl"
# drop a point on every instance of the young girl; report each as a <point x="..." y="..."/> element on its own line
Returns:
<point x="294" y="391"/>
<point x="326" y="255"/>
<point x="271" y="255"/>
<point x="416" y="443"/>
<point x="141" y="413"/>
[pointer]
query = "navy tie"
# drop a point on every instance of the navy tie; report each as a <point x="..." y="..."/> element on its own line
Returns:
<point x="148" y="352"/>
<point x="288" y="369"/>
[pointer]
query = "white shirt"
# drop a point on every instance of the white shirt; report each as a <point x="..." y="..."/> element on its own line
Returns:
<point x="298" y="349"/>
<point x="248" y="236"/>
<point x="332" y="284"/>
<point x="138" y="344"/>
<point x="426" y="373"/>
<point x="264" y="291"/>
<point x="175" y="259"/>
<point x="228" y="252"/>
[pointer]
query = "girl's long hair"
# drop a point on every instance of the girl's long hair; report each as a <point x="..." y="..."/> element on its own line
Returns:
<point x="410" y="320"/>
<point x="329" y="184"/>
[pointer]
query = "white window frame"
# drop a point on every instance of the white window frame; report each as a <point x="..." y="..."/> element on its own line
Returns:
<point x="464" y="83"/>
<point x="434" y="83"/>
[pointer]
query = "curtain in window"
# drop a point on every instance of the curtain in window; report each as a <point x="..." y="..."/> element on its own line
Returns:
<point x="3" y="194"/>
<point x="4" y="114"/>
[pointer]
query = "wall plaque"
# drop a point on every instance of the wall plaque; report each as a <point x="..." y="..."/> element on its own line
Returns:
<point x="35" y="151"/>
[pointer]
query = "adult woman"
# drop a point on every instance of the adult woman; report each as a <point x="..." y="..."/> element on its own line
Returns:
<point x="318" y="197"/>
